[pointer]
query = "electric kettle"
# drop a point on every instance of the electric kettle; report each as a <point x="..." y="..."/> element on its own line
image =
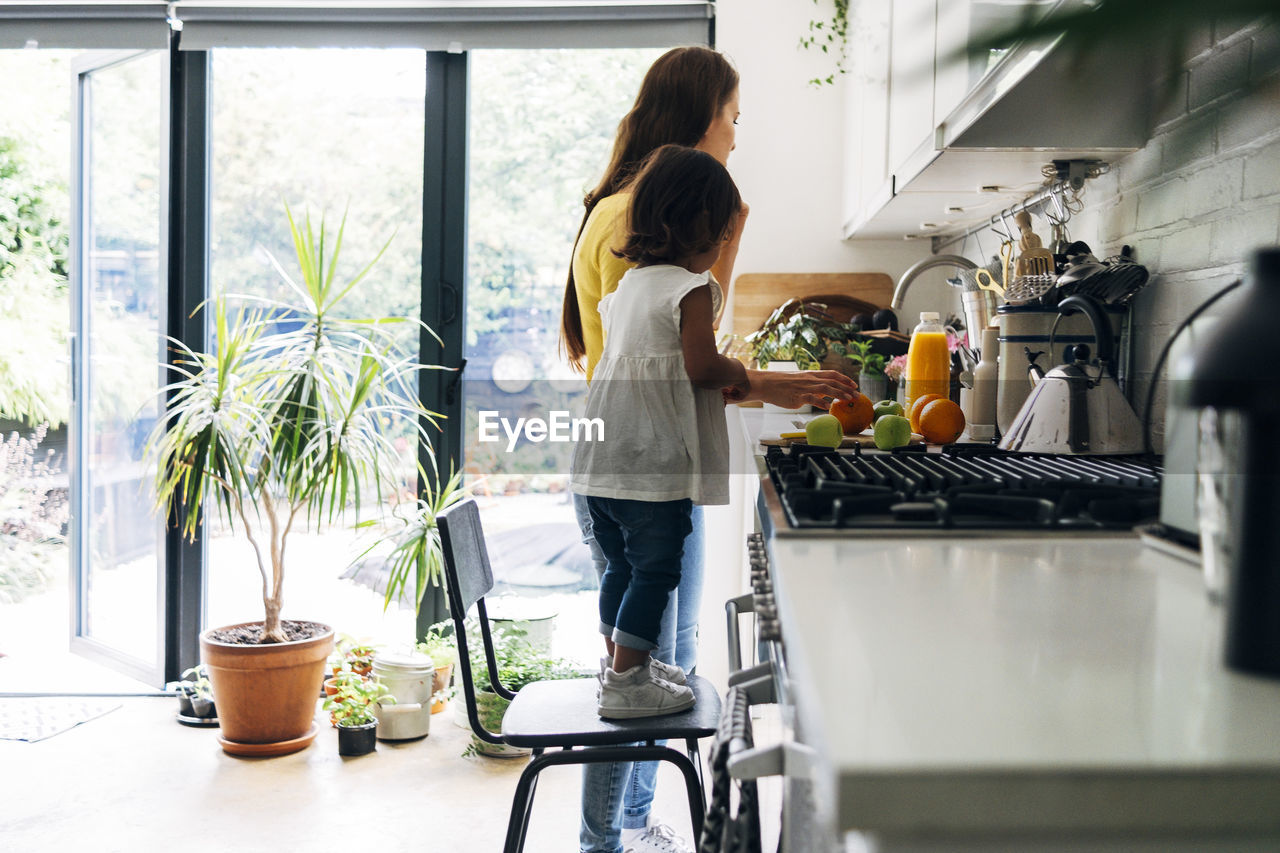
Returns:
<point x="1077" y="407"/>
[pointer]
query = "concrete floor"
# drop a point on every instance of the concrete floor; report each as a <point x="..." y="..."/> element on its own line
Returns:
<point x="136" y="780"/>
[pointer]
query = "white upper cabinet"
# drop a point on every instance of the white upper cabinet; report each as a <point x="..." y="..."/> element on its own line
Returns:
<point x="911" y="76"/>
<point x="868" y="181"/>
<point x="938" y="139"/>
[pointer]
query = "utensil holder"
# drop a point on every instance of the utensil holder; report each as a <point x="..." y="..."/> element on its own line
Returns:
<point x="979" y="311"/>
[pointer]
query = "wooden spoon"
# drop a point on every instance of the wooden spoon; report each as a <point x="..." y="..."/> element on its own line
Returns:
<point x="1035" y="259"/>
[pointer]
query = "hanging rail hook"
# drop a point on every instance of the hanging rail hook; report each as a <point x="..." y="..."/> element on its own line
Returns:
<point x="1055" y="193"/>
<point x="1008" y="232"/>
<point x="1050" y="213"/>
<point x="1005" y="233"/>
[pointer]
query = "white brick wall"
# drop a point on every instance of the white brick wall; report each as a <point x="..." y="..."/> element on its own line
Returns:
<point x="1202" y="194"/>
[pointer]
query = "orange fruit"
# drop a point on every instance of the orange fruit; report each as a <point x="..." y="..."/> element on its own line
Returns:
<point x="941" y="421"/>
<point x="855" y="414"/>
<point x="917" y="406"/>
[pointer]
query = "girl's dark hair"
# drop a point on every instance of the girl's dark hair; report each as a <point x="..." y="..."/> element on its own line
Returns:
<point x="683" y="203"/>
<point x="680" y="96"/>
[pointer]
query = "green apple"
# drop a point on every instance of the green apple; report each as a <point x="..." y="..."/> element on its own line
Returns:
<point x="892" y="431"/>
<point x="886" y="407"/>
<point x="824" y="431"/>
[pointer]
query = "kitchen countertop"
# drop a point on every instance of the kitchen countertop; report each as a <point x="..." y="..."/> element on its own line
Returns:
<point x="1045" y="684"/>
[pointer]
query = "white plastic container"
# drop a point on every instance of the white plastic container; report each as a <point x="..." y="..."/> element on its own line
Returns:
<point x="981" y="417"/>
<point x="408" y="678"/>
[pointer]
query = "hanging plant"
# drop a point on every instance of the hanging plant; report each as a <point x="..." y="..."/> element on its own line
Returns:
<point x="831" y="36"/>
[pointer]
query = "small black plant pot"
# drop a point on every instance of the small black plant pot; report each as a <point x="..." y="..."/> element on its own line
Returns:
<point x="196" y="710"/>
<point x="358" y="740"/>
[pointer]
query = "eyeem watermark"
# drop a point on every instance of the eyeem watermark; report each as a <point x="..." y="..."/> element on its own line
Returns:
<point x="560" y="426"/>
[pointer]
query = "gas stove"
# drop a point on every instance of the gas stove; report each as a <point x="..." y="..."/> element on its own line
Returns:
<point x="962" y="489"/>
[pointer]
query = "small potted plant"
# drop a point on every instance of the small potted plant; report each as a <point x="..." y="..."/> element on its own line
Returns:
<point x="794" y="337"/>
<point x="195" y="698"/>
<point x="352" y="708"/>
<point x="519" y="664"/>
<point x="894" y="371"/>
<point x="871" y="377"/>
<point x="352" y="656"/>
<point x="438" y="644"/>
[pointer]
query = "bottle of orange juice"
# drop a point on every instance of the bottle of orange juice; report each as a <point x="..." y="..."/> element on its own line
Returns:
<point x="928" y="359"/>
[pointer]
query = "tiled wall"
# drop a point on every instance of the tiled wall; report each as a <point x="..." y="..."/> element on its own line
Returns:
<point x="1202" y="194"/>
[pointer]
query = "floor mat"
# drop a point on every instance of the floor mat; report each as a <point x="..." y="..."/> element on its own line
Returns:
<point x="33" y="719"/>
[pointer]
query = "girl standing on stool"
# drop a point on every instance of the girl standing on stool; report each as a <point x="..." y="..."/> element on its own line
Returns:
<point x="660" y="389"/>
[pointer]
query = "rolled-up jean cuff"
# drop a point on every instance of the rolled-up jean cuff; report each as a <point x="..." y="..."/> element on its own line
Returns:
<point x="607" y="630"/>
<point x="631" y="641"/>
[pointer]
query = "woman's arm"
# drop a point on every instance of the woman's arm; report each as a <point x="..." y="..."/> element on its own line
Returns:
<point x="706" y="367"/>
<point x="722" y="269"/>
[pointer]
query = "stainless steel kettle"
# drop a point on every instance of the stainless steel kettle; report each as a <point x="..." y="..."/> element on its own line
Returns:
<point x="1077" y="407"/>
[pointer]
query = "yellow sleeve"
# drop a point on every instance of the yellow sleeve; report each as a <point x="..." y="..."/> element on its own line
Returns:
<point x="597" y="271"/>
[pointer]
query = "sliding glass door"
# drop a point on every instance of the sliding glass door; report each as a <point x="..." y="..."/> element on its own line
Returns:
<point x="119" y="289"/>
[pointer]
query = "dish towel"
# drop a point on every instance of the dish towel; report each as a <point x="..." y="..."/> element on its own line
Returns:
<point x="37" y="718"/>
<point x="726" y="829"/>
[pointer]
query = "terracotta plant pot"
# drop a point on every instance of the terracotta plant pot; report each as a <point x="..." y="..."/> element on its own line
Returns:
<point x="266" y="693"/>
<point x="439" y="681"/>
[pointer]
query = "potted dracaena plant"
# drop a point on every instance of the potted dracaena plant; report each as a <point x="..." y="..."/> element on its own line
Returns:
<point x="285" y="424"/>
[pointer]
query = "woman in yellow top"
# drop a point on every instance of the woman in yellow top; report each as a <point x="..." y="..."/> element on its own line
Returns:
<point x="688" y="97"/>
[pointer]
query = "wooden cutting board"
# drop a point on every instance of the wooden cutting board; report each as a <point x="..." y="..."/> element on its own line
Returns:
<point x="756" y="295"/>
<point x="862" y="439"/>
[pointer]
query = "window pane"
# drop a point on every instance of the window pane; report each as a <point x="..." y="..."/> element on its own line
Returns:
<point x="542" y="126"/>
<point x="125" y="291"/>
<point x="326" y="131"/>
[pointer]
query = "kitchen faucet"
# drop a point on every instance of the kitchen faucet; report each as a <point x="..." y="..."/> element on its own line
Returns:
<point x="927" y="264"/>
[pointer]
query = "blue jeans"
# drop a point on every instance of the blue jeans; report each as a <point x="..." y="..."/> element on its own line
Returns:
<point x="620" y="795"/>
<point x="643" y="542"/>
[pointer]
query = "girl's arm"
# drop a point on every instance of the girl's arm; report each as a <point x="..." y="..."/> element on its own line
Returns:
<point x="706" y="367"/>
<point x="792" y="389"/>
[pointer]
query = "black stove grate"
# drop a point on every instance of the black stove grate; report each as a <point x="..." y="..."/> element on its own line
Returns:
<point x="963" y="487"/>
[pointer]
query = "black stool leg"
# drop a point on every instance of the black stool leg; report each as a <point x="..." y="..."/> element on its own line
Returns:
<point x="695" y="755"/>
<point x="523" y="800"/>
<point x="518" y="823"/>
<point x="528" y="812"/>
<point x="694" y="789"/>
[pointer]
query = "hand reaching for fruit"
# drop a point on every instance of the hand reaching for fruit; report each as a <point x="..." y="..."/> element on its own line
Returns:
<point x="793" y="389"/>
<point x="855" y="413"/>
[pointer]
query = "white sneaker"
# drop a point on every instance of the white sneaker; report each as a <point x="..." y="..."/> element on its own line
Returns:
<point x="665" y="671"/>
<point x="657" y="838"/>
<point x="637" y="693"/>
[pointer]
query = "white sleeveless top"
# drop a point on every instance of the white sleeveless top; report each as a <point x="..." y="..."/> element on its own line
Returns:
<point x="664" y="439"/>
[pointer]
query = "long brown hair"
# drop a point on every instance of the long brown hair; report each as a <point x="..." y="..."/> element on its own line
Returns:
<point x="683" y="203"/>
<point x="680" y="95"/>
